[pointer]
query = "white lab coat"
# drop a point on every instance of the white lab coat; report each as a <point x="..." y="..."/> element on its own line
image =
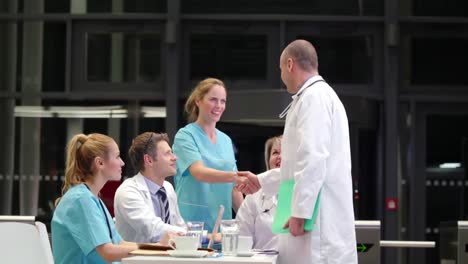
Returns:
<point x="316" y="154"/>
<point x="135" y="219"/>
<point x="255" y="218"/>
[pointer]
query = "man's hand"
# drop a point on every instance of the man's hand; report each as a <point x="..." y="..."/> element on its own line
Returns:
<point x="296" y="226"/>
<point x="248" y="182"/>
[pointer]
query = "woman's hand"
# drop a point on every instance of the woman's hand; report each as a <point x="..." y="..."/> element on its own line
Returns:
<point x="248" y="182"/>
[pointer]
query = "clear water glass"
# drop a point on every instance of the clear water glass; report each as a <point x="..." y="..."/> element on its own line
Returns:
<point x="230" y="237"/>
<point x="195" y="229"/>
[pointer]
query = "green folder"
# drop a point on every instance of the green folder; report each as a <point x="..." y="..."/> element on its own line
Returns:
<point x="283" y="209"/>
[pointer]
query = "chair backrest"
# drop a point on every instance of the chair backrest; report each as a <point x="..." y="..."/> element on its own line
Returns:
<point x="22" y="243"/>
<point x="45" y="242"/>
<point x="28" y="219"/>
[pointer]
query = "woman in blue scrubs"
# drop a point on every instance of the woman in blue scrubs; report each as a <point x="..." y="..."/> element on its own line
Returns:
<point x="82" y="228"/>
<point x="206" y="168"/>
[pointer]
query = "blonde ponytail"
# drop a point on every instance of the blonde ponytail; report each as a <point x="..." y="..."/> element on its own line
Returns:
<point x="81" y="151"/>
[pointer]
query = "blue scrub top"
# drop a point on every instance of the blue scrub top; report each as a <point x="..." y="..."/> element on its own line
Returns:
<point x="79" y="226"/>
<point x="199" y="201"/>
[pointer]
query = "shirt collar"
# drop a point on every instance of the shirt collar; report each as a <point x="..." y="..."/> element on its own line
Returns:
<point x="152" y="187"/>
<point x="306" y="84"/>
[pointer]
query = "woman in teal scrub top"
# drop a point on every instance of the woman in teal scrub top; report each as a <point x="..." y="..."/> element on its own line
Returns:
<point x="206" y="168"/>
<point x="82" y="229"/>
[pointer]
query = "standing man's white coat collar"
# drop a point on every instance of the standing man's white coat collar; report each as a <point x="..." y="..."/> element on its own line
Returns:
<point x="306" y="85"/>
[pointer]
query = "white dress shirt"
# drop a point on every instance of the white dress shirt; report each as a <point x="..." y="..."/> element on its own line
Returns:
<point x="135" y="216"/>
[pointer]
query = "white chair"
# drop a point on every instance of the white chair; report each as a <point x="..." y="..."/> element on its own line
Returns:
<point x="45" y="241"/>
<point x="24" y="243"/>
<point x="28" y="219"/>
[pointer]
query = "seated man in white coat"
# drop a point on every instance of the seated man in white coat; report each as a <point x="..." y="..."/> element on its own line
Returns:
<point x="145" y="205"/>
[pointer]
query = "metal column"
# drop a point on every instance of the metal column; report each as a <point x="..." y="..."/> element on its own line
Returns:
<point x="30" y="143"/>
<point x="7" y="106"/>
<point x="172" y="66"/>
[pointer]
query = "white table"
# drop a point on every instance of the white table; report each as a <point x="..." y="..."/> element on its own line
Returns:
<point x="265" y="259"/>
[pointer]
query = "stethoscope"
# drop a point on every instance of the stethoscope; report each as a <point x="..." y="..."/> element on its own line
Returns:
<point x="268" y="204"/>
<point x="286" y="110"/>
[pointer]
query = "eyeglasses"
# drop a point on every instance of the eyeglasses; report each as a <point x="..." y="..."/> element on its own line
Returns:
<point x="147" y="143"/>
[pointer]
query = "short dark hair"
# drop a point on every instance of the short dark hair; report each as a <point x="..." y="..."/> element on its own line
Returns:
<point x="145" y="143"/>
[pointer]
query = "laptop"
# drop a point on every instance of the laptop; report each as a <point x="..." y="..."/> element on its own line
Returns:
<point x="216" y="226"/>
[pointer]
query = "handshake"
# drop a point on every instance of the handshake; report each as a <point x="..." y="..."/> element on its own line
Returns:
<point x="247" y="182"/>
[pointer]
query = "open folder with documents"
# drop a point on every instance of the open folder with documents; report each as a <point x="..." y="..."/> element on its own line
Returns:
<point x="283" y="209"/>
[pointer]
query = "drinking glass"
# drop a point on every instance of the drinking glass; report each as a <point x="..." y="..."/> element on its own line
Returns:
<point x="230" y="237"/>
<point x="195" y="229"/>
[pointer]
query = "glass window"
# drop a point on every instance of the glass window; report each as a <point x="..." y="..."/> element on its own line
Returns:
<point x="453" y="8"/>
<point x="8" y="51"/>
<point x="446" y="147"/>
<point x="143" y="6"/>
<point x="439" y="61"/>
<point x="365" y="181"/>
<point x="53" y="60"/>
<point x="228" y="56"/>
<point x="57" y="6"/>
<point x="40" y="59"/>
<point x="446" y="137"/>
<point x="323" y="7"/>
<point x="344" y="59"/>
<point x="3" y="7"/>
<point x="123" y="57"/>
<point x="101" y="6"/>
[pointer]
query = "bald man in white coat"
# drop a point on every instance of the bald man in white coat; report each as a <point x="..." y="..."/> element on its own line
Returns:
<point x="316" y="154"/>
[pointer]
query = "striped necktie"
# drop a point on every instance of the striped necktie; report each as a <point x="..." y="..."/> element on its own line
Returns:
<point x="165" y="205"/>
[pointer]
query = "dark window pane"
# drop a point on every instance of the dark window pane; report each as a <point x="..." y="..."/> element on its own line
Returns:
<point x="228" y="56"/>
<point x="344" y="59"/>
<point x="365" y="181"/>
<point x="445" y="138"/>
<point x="439" y="61"/>
<point x="120" y="57"/>
<point x="324" y="7"/>
<point x="57" y="6"/>
<point x="145" y="6"/>
<point x="19" y="56"/>
<point x="3" y="6"/>
<point x="448" y="8"/>
<point x="131" y="6"/>
<point x="53" y="72"/>
<point x="101" y="6"/>
<point x="145" y="66"/>
<point x="8" y="52"/>
<point x="53" y="146"/>
<point x="95" y="125"/>
<point x="99" y="57"/>
<point x="446" y="199"/>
